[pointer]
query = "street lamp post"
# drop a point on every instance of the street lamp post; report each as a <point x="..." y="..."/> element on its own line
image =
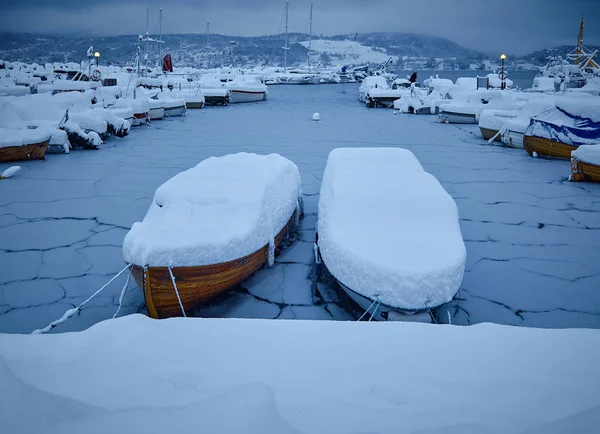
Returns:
<point x="502" y="75"/>
<point x="97" y="56"/>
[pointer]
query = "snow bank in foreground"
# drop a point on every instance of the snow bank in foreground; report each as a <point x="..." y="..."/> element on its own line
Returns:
<point x="135" y="374"/>
<point x="388" y="229"/>
<point x="588" y="154"/>
<point x="223" y="209"/>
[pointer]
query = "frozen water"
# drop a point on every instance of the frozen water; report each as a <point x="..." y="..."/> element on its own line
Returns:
<point x="532" y="237"/>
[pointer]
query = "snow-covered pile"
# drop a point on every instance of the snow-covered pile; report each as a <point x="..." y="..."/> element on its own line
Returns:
<point x="282" y="377"/>
<point x="588" y="154"/>
<point x="388" y="229"/>
<point x="495" y="81"/>
<point x="543" y="84"/>
<point x="223" y="209"/>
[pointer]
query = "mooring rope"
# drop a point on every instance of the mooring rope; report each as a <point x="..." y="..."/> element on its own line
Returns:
<point x="369" y="308"/>
<point x="375" y="310"/>
<point x="177" y="292"/>
<point x="69" y="313"/>
<point x="122" y="296"/>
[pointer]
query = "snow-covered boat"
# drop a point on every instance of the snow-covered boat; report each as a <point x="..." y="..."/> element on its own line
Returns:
<point x="194" y="100"/>
<point x="211" y="227"/>
<point x="25" y="144"/>
<point x="156" y="109"/>
<point x="389" y="233"/>
<point x="376" y="82"/>
<point x="247" y="88"/>
<point x="561" y="129"/>
<point x="585" y="163"/>
<point x="175" y="107"/>
<point x="214" y="91"/>
<point x="491" y="122"/>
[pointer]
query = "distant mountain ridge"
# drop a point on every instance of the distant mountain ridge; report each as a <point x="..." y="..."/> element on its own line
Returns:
<point x="191" y="49"/>
<point x="197" y="50"/>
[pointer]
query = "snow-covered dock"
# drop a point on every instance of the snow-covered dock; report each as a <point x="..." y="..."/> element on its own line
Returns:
<point x="532" y="238"/>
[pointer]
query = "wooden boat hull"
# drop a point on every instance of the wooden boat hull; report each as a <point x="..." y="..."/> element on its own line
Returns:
<point x="194" y="105"/>
<point x="197" y="285"/>
<point x="581" y="171"/>
<point x="488" y="134"/>
<point x="33" y="151"/>
<point x="384" y="312"/>
<point x="547" y="148"/>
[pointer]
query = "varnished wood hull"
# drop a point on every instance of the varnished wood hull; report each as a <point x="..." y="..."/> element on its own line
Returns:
<point x="488" y="134"/>
<point x="581" y="171"/>
<point x="34" y="151"/>
<point x="194" y="104"/>
<point x="197" y="285"/>
<point x="547" y="148"/>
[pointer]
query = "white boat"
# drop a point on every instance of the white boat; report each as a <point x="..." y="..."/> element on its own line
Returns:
<point x="299" y="78"/>
<point x="376" y="82"/>
<point x="247" y="88"/>
<point x="175" y="107"/>
<point x="398" y="253"/>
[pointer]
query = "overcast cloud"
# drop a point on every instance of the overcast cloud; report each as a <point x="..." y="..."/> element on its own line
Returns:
<point x="512" y="26"/>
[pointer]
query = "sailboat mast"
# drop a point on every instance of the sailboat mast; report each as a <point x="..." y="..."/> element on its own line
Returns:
<point x="207" y="33"/>
<point x="147" y="35"/>
<point x="287" y="6"/>
<point x="310" y="36"/>
<point x="159" y="36"/>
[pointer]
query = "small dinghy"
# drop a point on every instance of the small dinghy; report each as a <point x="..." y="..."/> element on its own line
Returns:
<point x="211" y="227"/>
<point x="560" y="130"/>
<point x="389" y="233"/>
<point x="585" y="163"/>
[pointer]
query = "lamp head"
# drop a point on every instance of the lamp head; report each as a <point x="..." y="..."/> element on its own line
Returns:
<point x="503" y="56"/>
<point x="96" y="54"/>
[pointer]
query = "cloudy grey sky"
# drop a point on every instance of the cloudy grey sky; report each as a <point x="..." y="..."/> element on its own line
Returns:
<point x="513" y="26"/>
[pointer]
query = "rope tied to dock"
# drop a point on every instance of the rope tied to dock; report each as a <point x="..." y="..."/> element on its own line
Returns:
<point x="177" y="292"/>
<point x="69" y="313"/>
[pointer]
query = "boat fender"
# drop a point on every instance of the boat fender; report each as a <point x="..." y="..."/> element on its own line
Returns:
<point x="10" y="172"/>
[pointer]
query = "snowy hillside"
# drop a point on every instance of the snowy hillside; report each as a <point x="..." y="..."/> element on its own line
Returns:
<point x="346" y="51"/>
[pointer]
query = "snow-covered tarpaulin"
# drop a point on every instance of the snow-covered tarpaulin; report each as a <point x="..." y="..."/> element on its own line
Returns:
<point x="574" y="122"/>
<point x="223" y="209"/>
<point x="232" y="376"/>
<point x="388" y="229"/>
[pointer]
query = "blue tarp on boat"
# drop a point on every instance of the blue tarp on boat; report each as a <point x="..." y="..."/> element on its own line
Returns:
<point x="558" y="125"/>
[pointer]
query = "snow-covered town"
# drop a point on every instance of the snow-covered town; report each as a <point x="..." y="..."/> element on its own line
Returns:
<point x="353" y="241"/>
